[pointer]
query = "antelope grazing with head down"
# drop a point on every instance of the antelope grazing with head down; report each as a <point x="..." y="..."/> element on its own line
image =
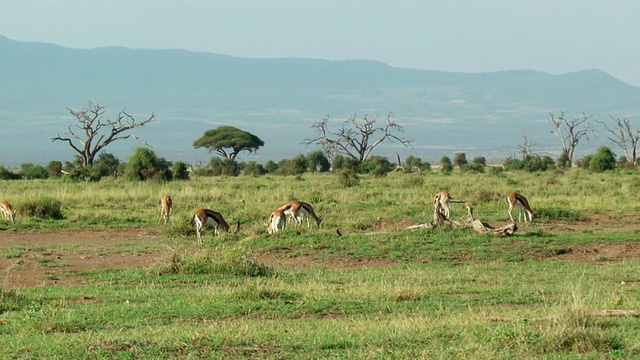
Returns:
<point x="298" y="210"/>
<point x="7" y="211"/>
<point x="204" y="217"/>
<point x="515" y="199"/>
<point x="167" y="208"/>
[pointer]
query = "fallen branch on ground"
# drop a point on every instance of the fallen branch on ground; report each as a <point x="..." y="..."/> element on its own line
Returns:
<point x="439" y="218"/>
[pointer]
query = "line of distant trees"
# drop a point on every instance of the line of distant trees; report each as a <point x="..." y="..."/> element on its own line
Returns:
<point x="145" y="165"/>
<point x="346" y="148"/>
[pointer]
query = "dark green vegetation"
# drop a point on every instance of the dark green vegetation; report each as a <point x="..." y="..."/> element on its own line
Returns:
<point x="377" y="291"/>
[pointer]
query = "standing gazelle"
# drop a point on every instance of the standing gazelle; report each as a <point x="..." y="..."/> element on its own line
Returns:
<point x="277" y="221"/>
<point x="204" y="217"/>
<point x="7" y="211"/>
<point x="515" y="199"/>
<point x="167" y="208"/>
<point x="443" y="198"/>
<point x="297" y="210"/>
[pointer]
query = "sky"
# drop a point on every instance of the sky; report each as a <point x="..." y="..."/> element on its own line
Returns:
<point x="553" y="36"/>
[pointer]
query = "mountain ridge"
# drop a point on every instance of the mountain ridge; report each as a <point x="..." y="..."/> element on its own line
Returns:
<point x="279" y="99"/>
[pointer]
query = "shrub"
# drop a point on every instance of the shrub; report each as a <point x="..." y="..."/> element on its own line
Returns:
<point x="233" y="261"/>
<point x="445" y="165"/>
<point x="179" y="171"/>
<point x="479" y="160"/>
<point x="31" y="171"/>
<point x="7" y="175"/>
<point x="54" y="169"/>
<point x="460" y="160"/>
<point x="295" y="166"/>
<point x="317" y="161"/>
<point x="348" y="178"/>
<point x="106" y="165"/>
<point x="43" y="208"/>
<point x="473" y="168"/>
<point x="145" y="165"/>
<point x="603" y="160"/>
<point x="271" y="167"/>
<point x="253" y="168"/>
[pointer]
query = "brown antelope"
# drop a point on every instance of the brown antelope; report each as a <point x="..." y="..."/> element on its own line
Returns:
<point x="7" y="211"/>
<point x="167" y="208"/>
<point x="443" y="198"/>
<point x="277" y="221"/>
<point x="515" y="199"/>
<point x="204" y="217"/>
<point x="297" y="210"/>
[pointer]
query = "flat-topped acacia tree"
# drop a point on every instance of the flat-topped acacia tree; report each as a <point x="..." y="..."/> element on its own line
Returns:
<point x="228" y="141"/>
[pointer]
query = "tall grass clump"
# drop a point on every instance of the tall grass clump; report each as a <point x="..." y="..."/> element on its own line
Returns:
<point x="235" y="260"/>
<point x="574" y="330"/>
<point x="42" y="207"/>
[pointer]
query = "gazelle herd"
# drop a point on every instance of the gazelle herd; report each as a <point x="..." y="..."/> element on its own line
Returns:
<point x="297" y="211"/>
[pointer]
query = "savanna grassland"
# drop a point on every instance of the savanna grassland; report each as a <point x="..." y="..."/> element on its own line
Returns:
<point x="109" y="281"/>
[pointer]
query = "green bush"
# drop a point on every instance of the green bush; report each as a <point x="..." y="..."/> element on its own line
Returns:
<point x="145" y="165"/>
<point x="8" y="175"/>
<point x="229" y="260"/>
<point x="43" y="208"/>
<point x="603" y="160"/>
<point x="348" y="178"/>
<point x="31" y="171"/>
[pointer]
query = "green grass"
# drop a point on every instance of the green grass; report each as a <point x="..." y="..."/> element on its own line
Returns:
<point x="378" y="291"/>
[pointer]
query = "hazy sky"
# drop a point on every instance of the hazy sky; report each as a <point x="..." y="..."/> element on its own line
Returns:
<point x="555" y="36"/>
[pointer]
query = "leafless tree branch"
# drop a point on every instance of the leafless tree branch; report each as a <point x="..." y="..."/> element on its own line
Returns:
<point x="91" y="122"/>
<point x="356" y="137"/>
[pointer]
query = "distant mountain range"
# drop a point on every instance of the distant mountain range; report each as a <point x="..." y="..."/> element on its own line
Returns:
<point x="279" y="99"/>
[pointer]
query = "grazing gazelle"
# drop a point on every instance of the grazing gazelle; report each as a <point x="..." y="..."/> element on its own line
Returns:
<point x="443" y="198"/>
<point x="277" y="221"/>
<point x="297" y="210"/>
<point x="7" y="211"/>
<point x="204" y="217"/>
<point x="515" y="199"/>
<point x="167" y="207"/>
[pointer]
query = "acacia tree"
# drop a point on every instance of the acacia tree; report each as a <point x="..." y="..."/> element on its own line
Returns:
<point x="356" y="138"/>
<point x="231" y="138"/>
<point x="96" y="132"/>
<point x="624" y="136"/>
<point x="570" y="132"/>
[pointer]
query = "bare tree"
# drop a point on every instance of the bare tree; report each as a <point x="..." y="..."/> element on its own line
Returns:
<point x="570" y="132"/>
<point x="624" y="136"/>
<point x="356" y="138"/>
<point x="95" y="132"/>
<point x="526" y="148"/>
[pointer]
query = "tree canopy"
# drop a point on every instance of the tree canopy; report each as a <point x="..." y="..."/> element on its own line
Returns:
<point x="228" y="141"/>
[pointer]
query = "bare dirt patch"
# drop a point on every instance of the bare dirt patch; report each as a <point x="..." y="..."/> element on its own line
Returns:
<point x="47" y="258"/>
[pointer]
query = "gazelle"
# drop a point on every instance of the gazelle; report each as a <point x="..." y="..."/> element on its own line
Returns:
<point x="204" y="217"/>
<point x="297" y="210"/>
<point x="277" y="221"/>
<point x="7" y="211"/>
<point x="167" y="208"/>
<point x="443" y="198"/>
<point x="514" y="199"/>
